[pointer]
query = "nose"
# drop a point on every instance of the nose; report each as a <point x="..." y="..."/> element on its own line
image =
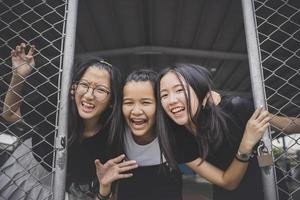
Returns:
<point x="172" y="98"/>
<point x="136" y="110"/>
<point x="89" y="93"/>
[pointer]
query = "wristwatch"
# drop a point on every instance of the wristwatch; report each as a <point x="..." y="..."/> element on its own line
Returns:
<point x="243" y="157"/>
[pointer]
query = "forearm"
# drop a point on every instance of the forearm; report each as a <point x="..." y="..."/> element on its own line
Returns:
<point x="228" y="179"/>
<point x="288" y="124"/>
<point x="13" y="99"/>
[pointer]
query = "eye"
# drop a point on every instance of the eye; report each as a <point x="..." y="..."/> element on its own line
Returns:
<point x="127" y="103"/>
<point x="101" y="90"/>
<point x="163" y="96"/>
<point x="146" y="102"/>
<point x="179" y="90"/>
<point x="83" y="84"/>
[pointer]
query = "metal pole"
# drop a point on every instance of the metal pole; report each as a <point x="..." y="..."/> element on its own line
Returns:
<point x="61" y="138"/>
<point x="268" y="173"/>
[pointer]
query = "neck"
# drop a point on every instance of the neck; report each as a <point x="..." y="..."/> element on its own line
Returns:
<point x="144" y="139"/>
<point x="90" y="128"/>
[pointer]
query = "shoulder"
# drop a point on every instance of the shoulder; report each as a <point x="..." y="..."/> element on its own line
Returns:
<point x="186" y="149"/>
<point x="237" y="103"/>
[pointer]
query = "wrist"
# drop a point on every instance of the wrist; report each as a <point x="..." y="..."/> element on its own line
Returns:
<point x="243" y="157"/>
<point x="100" y="196"/>
<point x="104" y="190"/>
<point x="245" y="147"/>
<point x="17" y="77"/>
<point x="105" y="185"/>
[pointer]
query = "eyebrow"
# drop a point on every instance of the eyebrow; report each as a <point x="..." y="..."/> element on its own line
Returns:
<point x="96" y="85"/>
<point x="177" y="85"/>
<point x="127" y="98"/>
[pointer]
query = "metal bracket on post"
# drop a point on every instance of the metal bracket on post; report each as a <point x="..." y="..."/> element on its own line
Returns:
<point x="268" y="173"/>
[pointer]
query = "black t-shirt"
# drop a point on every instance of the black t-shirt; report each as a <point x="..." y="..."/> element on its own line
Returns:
<point x="151" y="182"/>
<point x="239" y="110"/>
<point x="81" y="158"/>
<point x="158" y="181"/>
<point x="186" y="147"/>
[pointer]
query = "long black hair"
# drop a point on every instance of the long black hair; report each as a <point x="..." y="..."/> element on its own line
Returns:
<point x="110" y="117"/>
<point x="209" y="120"/>
<point x="142" y="75"/>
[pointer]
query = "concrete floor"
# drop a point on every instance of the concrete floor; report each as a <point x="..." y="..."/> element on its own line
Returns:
<point x="196" y="188"/>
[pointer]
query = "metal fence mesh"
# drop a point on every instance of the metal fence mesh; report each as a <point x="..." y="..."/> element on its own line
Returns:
<point x="27" y="145"/>
<point x="278" y="27"/>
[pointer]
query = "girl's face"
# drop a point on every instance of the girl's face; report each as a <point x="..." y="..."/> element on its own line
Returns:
<point x="139" y="108"/>
<point x="173" y="98"/>
<point x="92" y="93"/>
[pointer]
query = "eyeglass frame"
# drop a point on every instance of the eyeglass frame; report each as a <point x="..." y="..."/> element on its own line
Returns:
<point x="93" y="89"/>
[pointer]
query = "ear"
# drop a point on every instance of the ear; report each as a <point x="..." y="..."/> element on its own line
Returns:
<point x="212" y="97"/>
<point x="72" y="90"/>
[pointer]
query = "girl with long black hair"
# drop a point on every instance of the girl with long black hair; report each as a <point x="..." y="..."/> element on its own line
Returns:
<point x="94" y="100"/>
<point x="226" y="132"/>
<point x="138" y="141"/>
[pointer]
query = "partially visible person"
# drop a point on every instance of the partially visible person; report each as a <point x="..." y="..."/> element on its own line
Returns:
<point x="224" y="131"/>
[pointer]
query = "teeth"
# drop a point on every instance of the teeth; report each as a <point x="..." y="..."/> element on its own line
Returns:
<point x="138" y="121"/>
<point x="178" y="109"/>
<point x="88" y="105"/>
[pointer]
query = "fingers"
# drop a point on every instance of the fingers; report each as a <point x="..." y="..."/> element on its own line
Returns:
<point x="262" y="115"/>
<point x="265" y="126"/>
<point x="13" y="53"/>
<point x="123" y="176"/>
<point x="265" y="120"/>
<point x="98" y="163"/>
<point x="118" y="159"/>
<point x="127" y="168"/>
<point x="31" y="51"/>
<point x="20" y="50"/>
<point x="256" y="113"/>
<point x="126" y="163"/>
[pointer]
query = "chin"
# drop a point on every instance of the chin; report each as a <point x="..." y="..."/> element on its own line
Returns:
<point x="180" y="122"/>
<point x="86" y="116"/>
<point x="138" y="133"/>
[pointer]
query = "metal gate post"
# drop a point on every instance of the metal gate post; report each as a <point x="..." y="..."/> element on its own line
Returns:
<point x="61" y="138"/>
<point x="268" y="173"/>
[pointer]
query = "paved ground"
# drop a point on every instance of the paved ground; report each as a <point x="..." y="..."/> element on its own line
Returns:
<point x="195" y="188"/>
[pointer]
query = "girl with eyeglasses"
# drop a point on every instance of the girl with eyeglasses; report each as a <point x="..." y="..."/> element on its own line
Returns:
<point x="93" y="115"/>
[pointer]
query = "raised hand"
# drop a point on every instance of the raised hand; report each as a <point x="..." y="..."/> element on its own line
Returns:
<point x="114" y="170"/>
<point x="255" y="128"/>
<point x="22" y="62"/>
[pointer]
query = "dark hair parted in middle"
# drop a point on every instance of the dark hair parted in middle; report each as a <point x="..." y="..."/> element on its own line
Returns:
<point x="209" y="120"/>
<point x="142" y="75"/>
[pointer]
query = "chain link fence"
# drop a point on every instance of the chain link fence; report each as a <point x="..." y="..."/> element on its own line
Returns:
<point x="277" y="27"/>
<point x="27" y="144"/>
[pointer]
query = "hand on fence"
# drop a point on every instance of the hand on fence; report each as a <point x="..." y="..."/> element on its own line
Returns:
<point x="22" y="62"/>
<point x="255" y="129"/>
